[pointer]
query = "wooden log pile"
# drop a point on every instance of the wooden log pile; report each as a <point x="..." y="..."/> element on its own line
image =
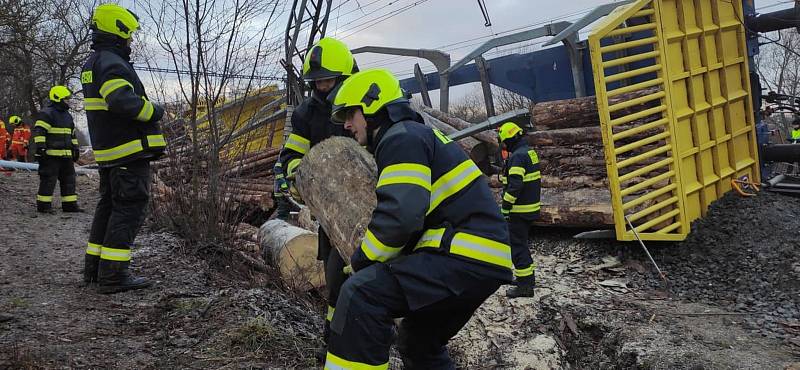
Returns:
<point x="567" y="136"/>
<point x="246" y="181"/>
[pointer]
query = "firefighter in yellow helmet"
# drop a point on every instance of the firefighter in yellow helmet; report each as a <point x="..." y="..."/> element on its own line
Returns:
<point x="521" y="192"/>
<point x="126" y="136"/>
<point x="56" y="150"/>
<point x="326" y="65"/>
<point x="435" y="248"/>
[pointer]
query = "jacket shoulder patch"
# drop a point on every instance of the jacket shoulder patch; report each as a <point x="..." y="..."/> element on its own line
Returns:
<point x="86" y="77"/>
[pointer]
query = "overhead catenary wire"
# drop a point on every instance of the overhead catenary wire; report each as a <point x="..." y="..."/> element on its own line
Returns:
<point x="447" y="47"/>
<point x="382" y="18"/>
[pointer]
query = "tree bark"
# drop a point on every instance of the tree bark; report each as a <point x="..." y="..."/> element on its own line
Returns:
<point x="337" y="183"/>
<point x="293" y="251"/>
<point x="578" y="112"/>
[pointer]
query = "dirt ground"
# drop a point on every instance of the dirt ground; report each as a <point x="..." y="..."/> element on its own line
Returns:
<point x="201" y="313"/>
<point x="731" y="303"/>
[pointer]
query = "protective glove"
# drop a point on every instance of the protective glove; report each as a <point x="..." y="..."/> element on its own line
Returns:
<point x="295" y="194"/>
<point x="348" y="270"/>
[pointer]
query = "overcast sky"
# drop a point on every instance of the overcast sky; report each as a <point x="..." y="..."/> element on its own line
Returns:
<point x="453" y="26"/>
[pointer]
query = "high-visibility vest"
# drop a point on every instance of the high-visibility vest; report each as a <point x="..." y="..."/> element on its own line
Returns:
<point x="795" y="134"/>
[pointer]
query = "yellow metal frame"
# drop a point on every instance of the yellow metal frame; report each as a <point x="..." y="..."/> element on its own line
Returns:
<point x="674" y="149"/>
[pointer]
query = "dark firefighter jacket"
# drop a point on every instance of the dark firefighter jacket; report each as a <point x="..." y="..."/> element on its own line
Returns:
<point x="123" y="123"/>
<point x="522" y="182"/>
<point x="311" y="123"/>
<point x="54" y="130"/>
<point x="432" y="198"/>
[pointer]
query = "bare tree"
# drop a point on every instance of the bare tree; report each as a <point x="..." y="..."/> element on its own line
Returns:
<point x="42" y="43"/>
<point x="778" y="63"/>
<point x="211" y="45"/>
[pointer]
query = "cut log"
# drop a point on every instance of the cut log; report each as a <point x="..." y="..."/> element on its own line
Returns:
<point x="585" y="207"/>
<point x="293" y="251"/>
<point x="264" y="162"/>
<point x="578" y="112"/>
<point x="337" y="182"/>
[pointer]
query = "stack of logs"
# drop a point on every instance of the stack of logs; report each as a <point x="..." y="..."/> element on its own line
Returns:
<point x="567" y="137"/>
<point x="247" y="180"/>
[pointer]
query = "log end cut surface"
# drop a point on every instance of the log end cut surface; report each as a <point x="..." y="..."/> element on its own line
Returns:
<point x="337" y="182"/>
<point x="294" y="252"/>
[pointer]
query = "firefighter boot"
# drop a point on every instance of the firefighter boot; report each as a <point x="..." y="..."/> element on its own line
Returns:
<point x="114" y="277"/>
<point x="90" y="268"/>
<point x="44" y="208"/>
<point x="524" y="287"/>
<point x="71" y="207"/>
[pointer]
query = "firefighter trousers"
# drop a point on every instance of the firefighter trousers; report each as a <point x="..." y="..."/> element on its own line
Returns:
<point x="518" y="229"/>
<point x="362" y="326"/>
<point x="52" y="170"/>
<point x="124" y="192"/>
<point x="334" y="276"/>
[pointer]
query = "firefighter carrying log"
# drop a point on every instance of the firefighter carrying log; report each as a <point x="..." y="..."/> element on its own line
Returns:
<point x="521" y="180"/>
<point x="19" y="139"/>
<point x="435" y="248"/>
<point x="326" y="65"/>
<point x="123" y="125"/>
<point x="56" y="150"/>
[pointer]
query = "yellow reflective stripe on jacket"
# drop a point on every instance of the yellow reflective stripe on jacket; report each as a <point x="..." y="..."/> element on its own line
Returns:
<point x="146" y="112"/>
<point x="333" y="362"/>
<point x="298" y="143"/>
<point x="503" y="180"/>
<point x="329" y="315"/>
<point x="526" y="208"/>
<point x="69" y="198"/>
<point x="44" y="198"/>
<point x="482" y="249"/>
<point x="375" y="250"/>
<point x="119" y="151"/>
<point x="59" y="152"/>
<point x="112" y="85"/>
<point x="36" y="139"/>
<point x="534" y="156"/>
<point x="509" y="198"/>
<point x="60" y="131"/>
<point x="43" y="125"/>
<point x="74" y="141"/>
<point x="533" y="176"/>
<point x="452" y="182"/>
<point x="114" y="254"/>
<point x="93" y="249"/>
<point x="516" y="171"/>
<point x="431" y="238"/>
<point x="292" y="166"/>
<point x="528" y="271"/>
<point x="406" y="173"/>
<point x="94" y="104"/>
<point x="156" y="141"/>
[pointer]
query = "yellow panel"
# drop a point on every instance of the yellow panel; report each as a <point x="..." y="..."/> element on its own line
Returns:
<point x="707" y="121"/>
